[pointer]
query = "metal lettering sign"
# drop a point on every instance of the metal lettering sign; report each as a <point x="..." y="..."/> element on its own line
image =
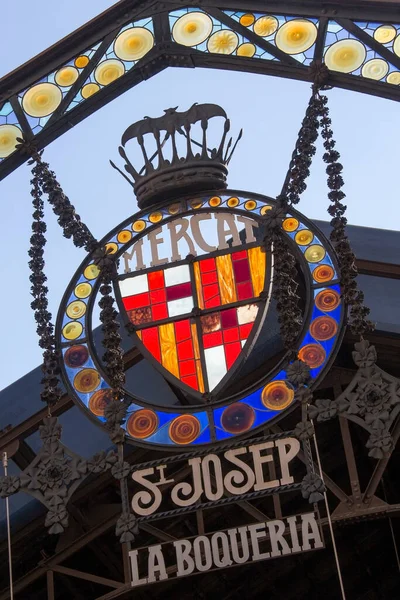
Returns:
<point x="236" y="472"/>
<point x="222" y="549"/>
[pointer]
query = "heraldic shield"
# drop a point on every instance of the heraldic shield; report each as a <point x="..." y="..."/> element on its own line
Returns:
<point x="200" y="318"/>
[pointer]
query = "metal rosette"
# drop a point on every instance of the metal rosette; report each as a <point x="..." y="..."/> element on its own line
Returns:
<point x="255" y="407"/>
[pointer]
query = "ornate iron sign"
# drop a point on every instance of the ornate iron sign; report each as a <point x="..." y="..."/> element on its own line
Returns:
<point x="194" y="279"/>
<point x="236" y="472"/>
<point x="222" y="549"/>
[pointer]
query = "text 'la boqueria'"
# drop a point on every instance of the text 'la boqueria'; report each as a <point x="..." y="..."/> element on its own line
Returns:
<point x="222" y="549"/>
<point x="237" y="471"/>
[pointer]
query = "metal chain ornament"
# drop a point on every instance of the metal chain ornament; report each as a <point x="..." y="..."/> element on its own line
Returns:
<point x="44" y="182"/>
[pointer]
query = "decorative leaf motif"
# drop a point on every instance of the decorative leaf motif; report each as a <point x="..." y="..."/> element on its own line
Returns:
<point x="364" y="354"/>
<point x="9" y="485"/>
<point x="312" y="488"/>
<point x="303" y="430"/>
<point x="126" y="528"/>
<point x="323" y="410"/>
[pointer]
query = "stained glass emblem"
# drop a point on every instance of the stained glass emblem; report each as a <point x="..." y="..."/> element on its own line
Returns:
<point x="196" y="318"/>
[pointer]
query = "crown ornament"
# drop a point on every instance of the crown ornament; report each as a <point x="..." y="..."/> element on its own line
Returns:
<point x="181" y="164"/>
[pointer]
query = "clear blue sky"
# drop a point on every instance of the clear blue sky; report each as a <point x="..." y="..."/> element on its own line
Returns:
<point x="270" y="111"/>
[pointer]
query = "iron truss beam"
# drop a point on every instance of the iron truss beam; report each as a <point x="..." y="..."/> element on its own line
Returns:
<point x="100" y="33"/>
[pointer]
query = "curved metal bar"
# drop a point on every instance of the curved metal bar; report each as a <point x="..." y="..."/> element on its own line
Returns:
<point x="100" y="34"/>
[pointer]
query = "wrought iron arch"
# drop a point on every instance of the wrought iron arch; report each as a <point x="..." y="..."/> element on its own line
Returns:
<point x="65" y="84"/>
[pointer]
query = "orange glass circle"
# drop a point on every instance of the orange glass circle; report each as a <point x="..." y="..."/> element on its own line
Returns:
<point x="247" y="20"/>
<point x="111" y="248"/>
<point x="277" y="395"/>
<point x="214" y="201"/>
<point x="87" y="381"/>
<point x="290" y="224"/>
<point x="124" y="236"/>
<point x="155" y="217"/>
<point x="99" y="401"/>
<point x="184" y="429"/>
<point x="313" y="355"/>
<point x="174" y="209"/>
<point x="238" y="418"/>
<point x="323" y="328"/>
<point x="327" y="300"/>
<point x="304" y="237"/>
<point x="250" y="205"/>
<point x="265" y="209"/>
<point x="196" y="204"/>
<point x="138" y="226"/>
<point x="232" y="202"/>
<point x="323" y="273"/>
<point x="142" y="423"/>
<point x="81" y="61"/>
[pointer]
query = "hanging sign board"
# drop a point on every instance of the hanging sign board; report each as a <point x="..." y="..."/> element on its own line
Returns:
<point x="222" y="549"/>
<point x="236" y="472"/>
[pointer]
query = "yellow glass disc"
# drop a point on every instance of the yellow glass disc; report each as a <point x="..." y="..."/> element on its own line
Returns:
<point x="81" y="61"/>
<point x="290" y="224"/>
<point x="8" y="139"/>
<point x="385" y="34"/>
<point x="124" y="236"/>
<point x="223" y="42"/>
<point x="71" y="331"/>
<point x="91" y="272"/>
<point x="41" y="99"/>
<point x="250" y="205"/>
<point x="247" y="20"/>
<point x="345" y="56"/>
<point x="174" y="209"/>
<point x="66" y="76"/>
<point x="192" y="29"/>
<point x="304" y="237"/>
<point x="108" y="71"/>
<point x="83" y="290"/>
<point x="196" y="204"/>
<point x="246" y="49"/>
<point x="138" y="226"/>
<point x="396" y="45"/>
<point x="265" y="209"/>
<point x="214" y="201"/>
<point x="155" y="217"/>
<point x="89" y="89"/>
<point x="265" y="26"/>
<point x="296" y="36"/>
<point x="76" y="309"/>
<point x="232" y="202"/>
<point x="87" y="381"/>
<point x="376" y="68"/>
<point x="133" y="43"/>
<point x="314" y="253"/>
<point x="394" y="78"/>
